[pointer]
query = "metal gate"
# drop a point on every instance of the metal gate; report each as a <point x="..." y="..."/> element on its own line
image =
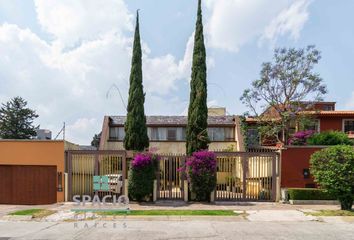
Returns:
<point x="96" y="172"/>
<point x="170" y="178"/>
<point x="245" y="176"/>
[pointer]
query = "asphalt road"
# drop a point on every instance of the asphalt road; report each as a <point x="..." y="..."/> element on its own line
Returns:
<point x="177" y="229"/>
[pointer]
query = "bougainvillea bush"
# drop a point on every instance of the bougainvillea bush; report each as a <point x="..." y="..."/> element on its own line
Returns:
<point x="142" y="175"/>
<point x="300" y="138"/>
<point x="201" y="173"/>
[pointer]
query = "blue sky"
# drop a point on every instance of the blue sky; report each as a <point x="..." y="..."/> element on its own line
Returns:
<point x="63" y="56"/>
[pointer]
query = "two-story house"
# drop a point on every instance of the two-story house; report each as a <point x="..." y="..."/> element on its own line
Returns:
<point x="167" y="134"/>
<point x="324" y="116"/>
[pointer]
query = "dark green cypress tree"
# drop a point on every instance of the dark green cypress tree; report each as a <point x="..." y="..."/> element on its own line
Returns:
<point x="136" y="137"/>
<point x="197" y="134"/>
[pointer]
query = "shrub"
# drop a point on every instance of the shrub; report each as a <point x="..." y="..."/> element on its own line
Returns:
<point x="300" y="138"/>
<point x="201" y="173"/>
<point x="142" y="175"/>
<point x="309" y="194"/>
<point x="329" y="138"/>
<point x="333" y="170"/>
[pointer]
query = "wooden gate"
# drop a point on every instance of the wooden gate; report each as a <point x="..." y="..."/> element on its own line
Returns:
<point x="22" y="184"/>
<point x="96" y="172"/>
<point x="246" y="176"/>
<point x="170" y="178"/>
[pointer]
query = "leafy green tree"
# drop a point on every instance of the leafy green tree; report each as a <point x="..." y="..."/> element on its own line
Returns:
<point x="196" y="133"/>
<point x="96" y="140"/>
<point x="333" y="169"/>
<point x="16" y="120"/>
<point x="136" y="137"/>
<point x="283" y="87"/>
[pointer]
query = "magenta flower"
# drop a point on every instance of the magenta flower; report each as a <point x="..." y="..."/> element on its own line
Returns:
<point x="143" y="159"/>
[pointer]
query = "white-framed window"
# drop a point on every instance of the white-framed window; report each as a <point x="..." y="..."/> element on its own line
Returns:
<point x="157" y="133"/>
<point x="116" y="133"/>
<point x="167" y="133"/>
<point x="221" y="134"/>
<point x="328" y="107"/>
<point x="348" y="125"/>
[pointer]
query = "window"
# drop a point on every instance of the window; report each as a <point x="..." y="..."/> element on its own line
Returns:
<point x="167" y="133"/>
<point x="311" y="125"/>
<point x="183" y="134"/>
<point x="328" y="107"/>
<point x="157" y="134"/>
<point x="253" y="136"/>
<point x="348" y="125"/>
<point x="221" y="134"/>
<point x="116" y="133"/>
<point x="171" y="134"/>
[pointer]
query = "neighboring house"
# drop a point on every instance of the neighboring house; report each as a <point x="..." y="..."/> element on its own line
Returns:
<point x="167" y="134"/>
<point x="325" y="118"/>
<point x="32" y="171"/>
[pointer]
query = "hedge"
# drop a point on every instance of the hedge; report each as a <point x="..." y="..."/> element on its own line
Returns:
<point x="309" y="194"/>
<point x="329" y="138"/>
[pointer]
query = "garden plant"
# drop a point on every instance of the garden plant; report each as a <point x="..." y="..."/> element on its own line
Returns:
<point x="329" y="138"/>
<point x="333" y="169"/>
<point x="142" y="175"/>
<point x="201" y="173"/>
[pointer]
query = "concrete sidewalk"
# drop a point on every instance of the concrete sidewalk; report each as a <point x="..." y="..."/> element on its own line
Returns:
<point x="178" y="205"/>
<point x="249" y="211"/>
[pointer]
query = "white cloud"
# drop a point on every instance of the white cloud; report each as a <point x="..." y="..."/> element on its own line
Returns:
<point x="78" y="130"/>
<point x="67" y="79"/>
<point x="290" y="20"/>
<point x="75" y="21"/>
<point x="233" y="23"/>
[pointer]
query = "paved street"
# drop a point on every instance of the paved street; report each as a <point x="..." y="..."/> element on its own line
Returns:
<point x="177" y="229"/>
<point x="261" y="221"/>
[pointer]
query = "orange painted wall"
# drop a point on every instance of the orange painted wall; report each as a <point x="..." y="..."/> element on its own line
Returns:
<point x="294" y="159"/>
<point x="331" y="123"/>
<point x="50" y="153"/>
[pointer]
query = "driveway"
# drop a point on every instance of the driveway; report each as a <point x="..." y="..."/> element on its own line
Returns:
<point x="177" y="229"/>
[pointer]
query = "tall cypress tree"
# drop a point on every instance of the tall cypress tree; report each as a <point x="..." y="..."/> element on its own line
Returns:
<point x="197" y="134"/>
<point x="136" y="137"/>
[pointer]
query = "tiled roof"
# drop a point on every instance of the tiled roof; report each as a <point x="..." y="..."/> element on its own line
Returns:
<point x="175" y="120"/>
<point x="318" y="113"/>
<point x="331" y="113"/>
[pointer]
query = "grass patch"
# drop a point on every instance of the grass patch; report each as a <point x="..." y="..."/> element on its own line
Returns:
<point x="331" y="213"/>
<point x="35" y="213"/>
<point x="172" y="213"/>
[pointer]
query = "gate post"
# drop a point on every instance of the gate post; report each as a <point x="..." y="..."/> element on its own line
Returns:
<point x="70" y="176"/>
<point x="212" y="197"/>
<point x="96" y="170"/>
<point x="274" y="179"/>
<point x="66" y="187"/>
<point x="185" y="190"/>
<point x="124" y="174"/>
<point x="244" y="176"/>
<point x="158" y="176"/>
<point x="154" y="191"/>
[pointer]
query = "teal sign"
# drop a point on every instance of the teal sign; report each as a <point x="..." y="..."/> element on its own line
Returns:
<point x="100" y="183"/>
